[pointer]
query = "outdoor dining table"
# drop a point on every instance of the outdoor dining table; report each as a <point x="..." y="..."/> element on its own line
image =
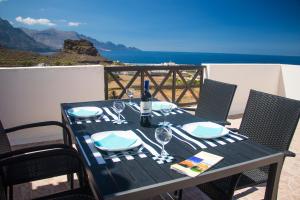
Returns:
<point x="146" y="174"/>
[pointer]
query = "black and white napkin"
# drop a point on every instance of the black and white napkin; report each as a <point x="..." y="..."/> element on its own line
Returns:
<point x="102" y="157"/>
<point x="109" y="115"/>
<point x="205" y="143"/>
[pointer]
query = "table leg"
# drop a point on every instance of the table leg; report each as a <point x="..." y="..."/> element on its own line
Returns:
<point x="65" y="139"/>
<point x="178" y="194"/>
<point x="273" y="180"/>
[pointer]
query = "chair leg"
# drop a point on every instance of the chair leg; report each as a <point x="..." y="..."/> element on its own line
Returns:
<point x="71" y="179"/>
<point x="11" y="192"/>
<point x="81" y="180"/>
<point x="5" y="191"/>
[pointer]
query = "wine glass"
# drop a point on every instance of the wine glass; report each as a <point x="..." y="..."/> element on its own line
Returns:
<point x="165" y="109"/>
<point x="119" y="106"/>
<point x="163" y="135"/>
<point x="130" y="93"/>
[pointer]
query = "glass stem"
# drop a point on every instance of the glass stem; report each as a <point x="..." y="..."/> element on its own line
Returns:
<point x="162" y="150"/>
<point x="130" y="103"/>
<point x="119" y="116"/>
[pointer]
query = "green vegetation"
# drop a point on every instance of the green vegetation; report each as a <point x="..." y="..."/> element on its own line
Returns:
<point x="14" y="58"/>
<point x="180" y="82"/>
<point x="188" y="79"/>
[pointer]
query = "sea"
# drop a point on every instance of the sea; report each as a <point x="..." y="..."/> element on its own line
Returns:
<point x="143" y="57"/>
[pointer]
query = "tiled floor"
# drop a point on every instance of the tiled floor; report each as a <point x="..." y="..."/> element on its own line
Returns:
<point x="289" y="187"/>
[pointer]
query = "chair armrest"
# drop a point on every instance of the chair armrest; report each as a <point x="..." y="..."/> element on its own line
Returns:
<point x="33" y="149"/>
<point x="227" y="123"/>
<point x="223" y="123"/>
<point x="234" y="129"/>
<point x="189" y="109"/>
<point x="20" y="163"/>
<point x="41" y="124"/>
<point x="289" y="154"/>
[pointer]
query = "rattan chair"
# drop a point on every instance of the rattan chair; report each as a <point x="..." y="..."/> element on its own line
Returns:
<point x="268" y="120"/>
<point x="42" y="162"/>
<point x="215" y="101"/>
<point x="5" y="145"/>
<point x="4" y="132"/>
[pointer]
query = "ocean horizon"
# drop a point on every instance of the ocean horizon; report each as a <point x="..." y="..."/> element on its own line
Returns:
<point x="154" y="57"/>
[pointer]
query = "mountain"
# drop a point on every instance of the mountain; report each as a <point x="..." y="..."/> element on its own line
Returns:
<point x="48" y="40"/>
<point x="55" y="39"/>
<point x="15" y="38"/>
<point x="108" y="46"/>
<point x="51" y="37"/>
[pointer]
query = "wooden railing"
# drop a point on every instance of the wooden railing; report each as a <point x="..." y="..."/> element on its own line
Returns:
<point x="179" y="84"/>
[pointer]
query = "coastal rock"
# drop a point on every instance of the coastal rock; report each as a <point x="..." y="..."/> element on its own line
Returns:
<point x="80" y="47"/>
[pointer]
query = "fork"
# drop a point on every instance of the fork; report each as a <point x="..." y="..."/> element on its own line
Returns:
<point x="118" y="155"/>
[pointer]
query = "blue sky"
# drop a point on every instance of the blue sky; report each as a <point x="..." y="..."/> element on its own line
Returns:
<point x="224" y="26"/>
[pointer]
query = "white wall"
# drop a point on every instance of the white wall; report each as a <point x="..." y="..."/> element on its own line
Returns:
<point x="290" y="81"/>
<point x="262" y="77"/>
<point x="34" y="94"/>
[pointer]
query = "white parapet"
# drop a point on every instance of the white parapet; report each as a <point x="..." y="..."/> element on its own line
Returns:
<point x="34" y="94"/>
<point x="290" y="81"/>
<point x="275" y="79"/>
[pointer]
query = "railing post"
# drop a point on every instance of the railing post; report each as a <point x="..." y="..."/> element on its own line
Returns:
<point x="106" y="83"/>
<point x="201" y="82"/>
<point x="174" y="86"/>
<point x="142" y="81"/>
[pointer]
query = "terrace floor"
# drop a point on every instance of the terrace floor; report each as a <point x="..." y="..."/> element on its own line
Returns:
<point x="289" y="187"/>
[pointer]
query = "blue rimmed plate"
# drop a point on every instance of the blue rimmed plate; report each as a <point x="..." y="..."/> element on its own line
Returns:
<point x="205" y="130"/>
<point x="85" y="111"/>
<point x="156" y="105"/>
<point x="116" y="140"/>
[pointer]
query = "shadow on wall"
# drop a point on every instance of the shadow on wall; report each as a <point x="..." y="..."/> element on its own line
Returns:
<point x="277" y="79"/>
<point x="281" y="85"/>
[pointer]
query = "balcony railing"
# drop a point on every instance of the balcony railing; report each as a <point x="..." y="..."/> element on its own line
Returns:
<point x="179" y="84"/>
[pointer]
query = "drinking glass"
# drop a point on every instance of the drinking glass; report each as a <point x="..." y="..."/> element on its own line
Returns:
<point x="163" y="135"/>
<point x="165" y="109"/>
<point x="119" y="107"/>
<point x="130" y="93"/>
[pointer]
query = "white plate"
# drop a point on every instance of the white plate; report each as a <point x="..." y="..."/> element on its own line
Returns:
<point x="156" y="105"/>
<point x="87" y="111"/>
<point x="123" y="134"/>
<point x="209" y="130"/>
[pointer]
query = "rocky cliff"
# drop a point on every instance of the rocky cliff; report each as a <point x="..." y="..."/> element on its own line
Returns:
<point x="80" y="47"/>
